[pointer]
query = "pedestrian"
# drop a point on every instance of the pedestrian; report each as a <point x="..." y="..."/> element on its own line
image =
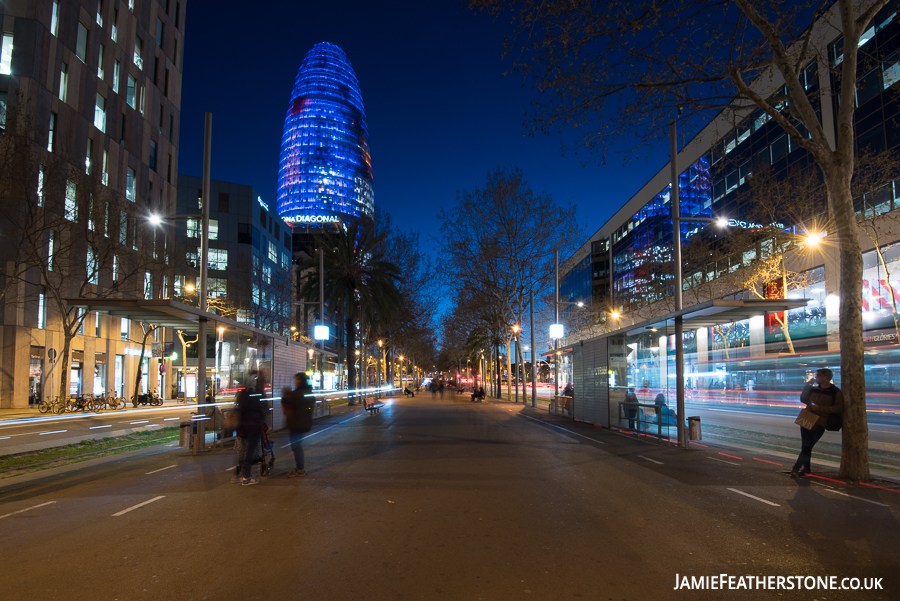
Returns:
<point x="298" y="404"/>
<point x="631" y="407"/>
<point x="826" y="401"/>
<point x="250" y="426"/>
<point x="433" y="386"/>
<point x="441" y="388"/>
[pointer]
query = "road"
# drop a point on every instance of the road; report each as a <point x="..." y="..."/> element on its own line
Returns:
<point x="436" y="499"/>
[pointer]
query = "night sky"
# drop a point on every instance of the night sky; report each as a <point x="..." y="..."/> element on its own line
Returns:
<point x="441" y="112"/>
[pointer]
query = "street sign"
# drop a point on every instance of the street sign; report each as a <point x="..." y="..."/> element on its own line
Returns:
<point x="51" y="354"/>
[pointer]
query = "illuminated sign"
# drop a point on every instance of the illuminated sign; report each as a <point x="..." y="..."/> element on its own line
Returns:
<point x="747" y="225"/>
<point x="313" y="219"/>
<point x="556" y="330"/>
<point x="261" y="203"/>
<point x="320" y="333"/>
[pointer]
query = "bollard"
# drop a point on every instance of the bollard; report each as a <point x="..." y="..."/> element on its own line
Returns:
<point x="694" y="427"/>
<point x="184" y="434"/>
<point x="199" y="431"/>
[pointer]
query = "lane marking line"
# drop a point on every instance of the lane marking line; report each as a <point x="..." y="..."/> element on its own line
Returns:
<point x="723" y="461"/>
<point x="234" y="467"/>
<point x="837" y="492"/>
<point x="140" y="422"/>
<point x="4" y="437"/>
<point x="564" y="429"/>
<point x="124" y="511"/>
<point x="732" y="456"/>
<point x="161" y="469"/>
<point x="150" y="425"/>
<point x="170" y="419"/>
<point x="98" y="427"/>
<point x="54" y="432"/>
<point x="651" y="460"/>
<point x="29" y="509"/>
<point x="740" y="492"/>
<point x="767" y="461"/>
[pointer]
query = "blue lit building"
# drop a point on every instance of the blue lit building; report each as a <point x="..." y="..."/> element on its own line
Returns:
<point x="325" y="173"/>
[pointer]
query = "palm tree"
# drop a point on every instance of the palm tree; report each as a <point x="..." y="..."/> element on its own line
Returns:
<point x="359" y="281"/>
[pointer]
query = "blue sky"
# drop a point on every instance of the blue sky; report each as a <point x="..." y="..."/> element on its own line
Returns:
<point x="440" y="110"/>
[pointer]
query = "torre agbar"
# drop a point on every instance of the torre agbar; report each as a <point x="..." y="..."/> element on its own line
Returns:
<point x="325" y="174"/>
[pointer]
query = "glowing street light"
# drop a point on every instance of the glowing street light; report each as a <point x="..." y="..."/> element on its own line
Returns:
<point x="813" y="238"/>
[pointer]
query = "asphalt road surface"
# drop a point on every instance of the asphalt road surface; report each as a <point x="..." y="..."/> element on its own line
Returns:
<point x="443" y="499"/>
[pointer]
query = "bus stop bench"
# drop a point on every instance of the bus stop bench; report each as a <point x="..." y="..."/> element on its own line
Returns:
<point x="374" y="406"/>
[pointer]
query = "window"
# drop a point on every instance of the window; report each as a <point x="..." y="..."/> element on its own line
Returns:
<point x="159" y="123"/>
<point x="100" y="113"/>
<point x="141" y="100"/>
<point x="217" y="287"/>
<point x="273" y="252"/>
<point x="262" y="216"/>
<point x="131" y="5"/>
<point x="81" y="43"/>
<point x="285" y="261"/>
<point x="166" y="84"/>
<point x="891" y="70"/>
<point x="42" y="309"/>
<point x="3" y="101"/>
<point x="177" y="14"/>
<point x="87" y="156"/>
<point x="114" y="33"/>
<point x="63" y="81"/>
<point x="107" y="218"/>
<point x="134" y="234"/>
<point x="193" y="228"/>
<point x="218" y="258"/>
<point x="115" y="83"/>
<point x="138" y="43"/>
<point x="54" y="18"/>
<point x="123" y="229"/>
<point x="129" y="185"/>
<point x="97" y="325"/>
<point x="100" y="13"/>
<point x="175" y="51"/>
<point x="122" y="131"/>
<point x="213" y="229"/>
<point x="91" y="223"/>
<point x="868" y="86"/>
<point x="71" y="206"/>
<point x="160" y="32"/>
<point x="51" y="249"/>
<point x="123" y="328"/>
<point x="148" y="285"/>
<point x="91" y="266"/>
<point x="100" y="72"/>
<point x="40" y="186"/>
<point x="6" y="48"/>
<point x="51" y="138"/>
<point x="245" y="235"/>
<point x="169" y="170"/>
<point x="152" y="155"/>
<point x="105" y="173"/>
<point x="778" y="149"/>
<point x="267" y="273"/>
<point x="131" y="91"/>
<point x="115" y="269"/>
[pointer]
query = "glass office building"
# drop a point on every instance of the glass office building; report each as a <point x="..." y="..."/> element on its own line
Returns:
<point x="325" y="173"/>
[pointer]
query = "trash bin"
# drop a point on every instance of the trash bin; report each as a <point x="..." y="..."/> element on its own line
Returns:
<point x="184" y="434"/>
<point x="694" y="427"/>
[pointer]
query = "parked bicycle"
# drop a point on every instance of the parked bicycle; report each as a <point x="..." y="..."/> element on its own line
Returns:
<point x="151" y="398"/>
<point x="56" y="406"/>
<point x="112" y="402"/>
<point x="82" y="403"/>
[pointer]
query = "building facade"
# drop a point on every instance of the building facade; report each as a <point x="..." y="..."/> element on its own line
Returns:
<point x="89" y="113"/>
<point x="325" y="173"/>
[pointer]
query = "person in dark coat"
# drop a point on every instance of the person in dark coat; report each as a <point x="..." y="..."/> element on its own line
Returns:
<point x="251" y="420"/>
<point x="631" y="407"/>
<point x="824" y="400"/>
<point x="298" y="405"/>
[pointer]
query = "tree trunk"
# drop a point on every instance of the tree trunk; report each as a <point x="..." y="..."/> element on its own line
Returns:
<point x="350" y="328"/>
<point x="64" y="374"/>
<point x="855" y="432"/>
<point x="784" y="321"/>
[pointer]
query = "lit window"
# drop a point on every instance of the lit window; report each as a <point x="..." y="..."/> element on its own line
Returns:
<point x="213" y="229"/>
<point x="129" y="185"/>
<point x="100" y="113"/>
<point x="100" y="73"/>
<point x="267" y="273"/>
<point x="54" y="18"/>
<point x="137" y="53"/>
<point x="123" y="328"/>
<point x="81" y="43"/>
<point x="97" y="325"/>
<point x="100" y="13"/>
<point x="91" y="224"/>
<point x="123" y="228"/>
<point x="87" y="156"/>
<point x="51" y="137"/>
<point x="131" y="91"/>
<point x="217" y="287"/>
<point x="42" y="309"/>
<point x="3" y="101"/>
<point x="114" y="33"/>
<point x="91" y="266"/>
<point x="148" y="285"/>
<point x="115" y="83"/>
<point x="71" y="207"/>
<point x="105" y="175"/>
<point x="115" y="269"/>
<point x="218" y="258"/>
<point x="63" y="81"/>
<point x="6" y="48"/>
<point x="193" y="228"/>
<point x="40" y="186"/>
<point x="273" y="252"/>
<point x="131" y="5"/>
<point x="51" y="249"/>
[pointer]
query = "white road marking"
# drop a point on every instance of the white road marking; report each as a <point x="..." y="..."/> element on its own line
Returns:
<point x="54" y="432"/>
<point x="150" y="425"/>
<point x="140" y="422"/>
<point x="740" y="492"/>
<point x="24" y="510"/>
<point x="723" y="461"/>
<point x="651" y="460"/>
<point x="882" y="431"/>
<point x="564" y="430"/>
<point x="124" y="511"/>
<point x="837" y="492"/>
<point x="170" y="419"/>
<point x="97" y="427"/>
<point x="3" y="437"/>
<point x="161" y="469"/>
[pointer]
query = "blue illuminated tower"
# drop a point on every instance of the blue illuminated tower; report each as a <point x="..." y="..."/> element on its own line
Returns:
<point x="325" y="173"/>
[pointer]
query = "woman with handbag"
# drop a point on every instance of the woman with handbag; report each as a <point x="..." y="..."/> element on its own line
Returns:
<point x="826" y="403"/>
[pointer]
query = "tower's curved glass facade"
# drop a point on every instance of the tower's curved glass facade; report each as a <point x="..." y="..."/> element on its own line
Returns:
<point x="325" y="174"/>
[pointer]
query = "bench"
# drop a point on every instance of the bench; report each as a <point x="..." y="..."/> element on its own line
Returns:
<point x="373" y="407"/>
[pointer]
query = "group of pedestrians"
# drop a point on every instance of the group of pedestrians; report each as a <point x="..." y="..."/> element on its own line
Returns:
<point x="297" y="404"/>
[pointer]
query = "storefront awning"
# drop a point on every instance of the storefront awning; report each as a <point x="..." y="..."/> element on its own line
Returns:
<point x="714" y="313"/>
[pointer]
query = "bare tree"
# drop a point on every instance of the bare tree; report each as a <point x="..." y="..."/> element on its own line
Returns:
<point x="620" y="68"/>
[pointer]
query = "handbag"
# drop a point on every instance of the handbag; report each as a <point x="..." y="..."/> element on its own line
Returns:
<point x="807" y="419"/>
<point x="835" y="422"/>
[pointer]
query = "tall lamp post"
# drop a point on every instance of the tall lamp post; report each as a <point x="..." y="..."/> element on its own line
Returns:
<point x="515" y="330"/>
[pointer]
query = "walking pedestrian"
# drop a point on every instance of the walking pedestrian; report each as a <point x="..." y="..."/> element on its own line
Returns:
<point x="298" y="404"/>
<point x="631" y="407"/>
<point x="826" y="401"/>
<point x="441" y="388"/>
<point x="250" y="426"/>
